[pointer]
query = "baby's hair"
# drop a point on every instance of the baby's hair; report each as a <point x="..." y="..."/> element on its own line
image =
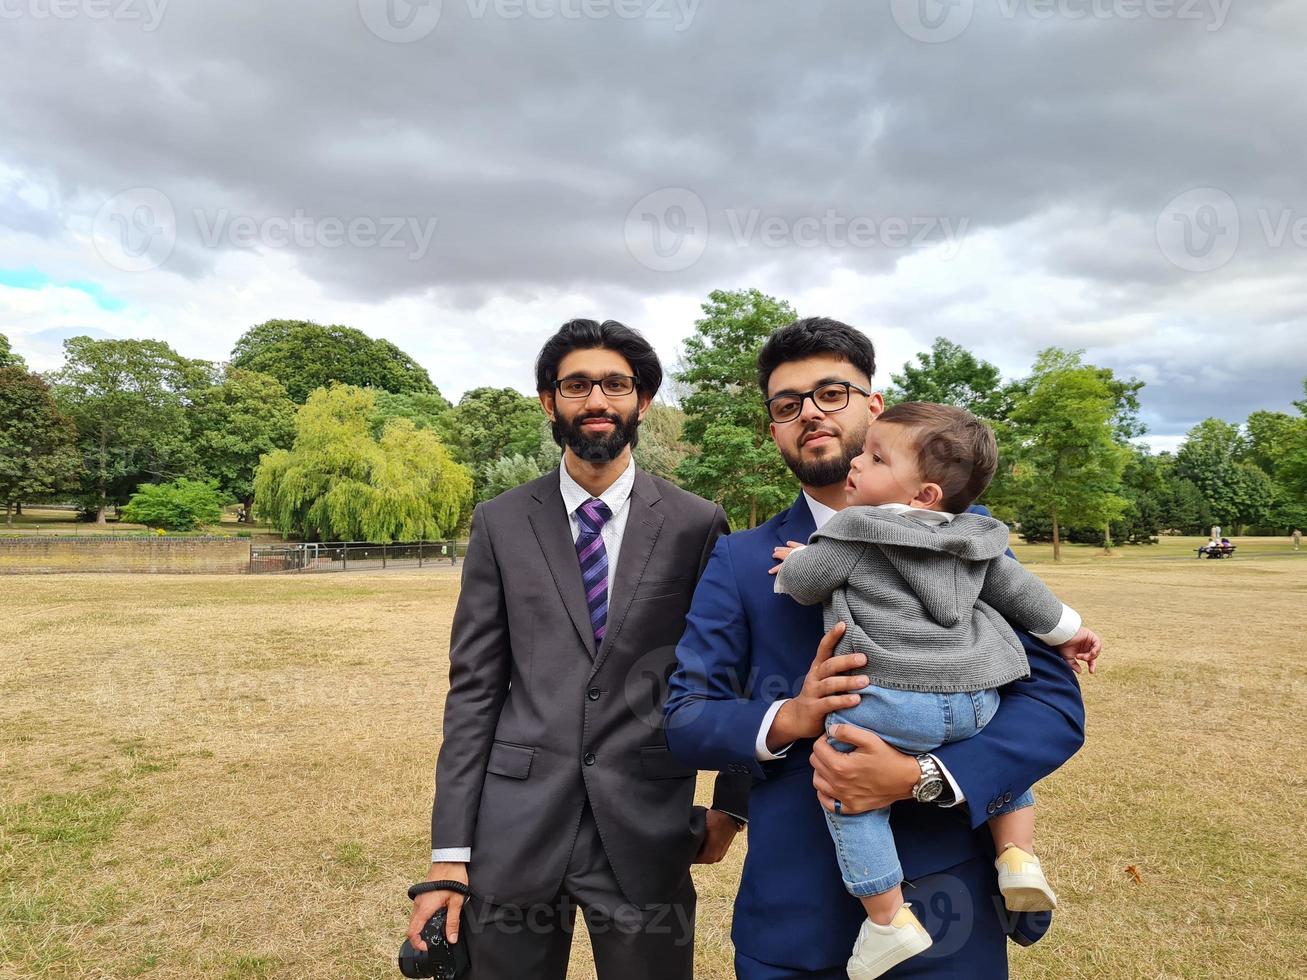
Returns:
<point x="954" y="449"/>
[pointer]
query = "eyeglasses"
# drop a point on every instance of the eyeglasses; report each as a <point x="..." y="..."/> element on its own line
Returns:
<point x="615" y="386"/>
<point x="831" y="397"/>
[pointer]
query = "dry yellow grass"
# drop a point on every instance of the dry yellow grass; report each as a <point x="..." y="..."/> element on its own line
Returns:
<point x="230" y="777"/>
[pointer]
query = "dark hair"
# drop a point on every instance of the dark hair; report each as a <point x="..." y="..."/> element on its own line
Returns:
<point x="812" y="337"/>
<point x="589" y="334"/>
<point x="954" y="449"/>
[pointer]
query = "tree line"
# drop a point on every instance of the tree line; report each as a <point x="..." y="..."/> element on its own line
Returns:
<point x="327" y="434"/>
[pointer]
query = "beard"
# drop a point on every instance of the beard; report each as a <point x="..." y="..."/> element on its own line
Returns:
<point x="598" y="449"/>
<point x="830" y="470"/>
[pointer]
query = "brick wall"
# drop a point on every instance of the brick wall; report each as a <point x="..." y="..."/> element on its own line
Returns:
<point x="107" y="553"/>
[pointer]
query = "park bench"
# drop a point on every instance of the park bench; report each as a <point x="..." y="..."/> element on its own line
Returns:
<point x="1215" y="551"/>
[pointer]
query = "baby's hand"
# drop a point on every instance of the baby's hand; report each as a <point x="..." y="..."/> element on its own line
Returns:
<point x="780" y="554"/>
<point x="1084" y="646"/>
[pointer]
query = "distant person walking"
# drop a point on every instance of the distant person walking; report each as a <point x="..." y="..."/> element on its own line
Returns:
<point x="1216" y="534"/>
<point x="1297" y="540"/>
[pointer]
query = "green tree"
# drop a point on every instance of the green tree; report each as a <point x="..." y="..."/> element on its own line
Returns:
<point x="1216" y="457"/>
<point x="726" y="425"/>
<point x="129" y="400"/>
<point x="426" y="409"/>
<point x="508" y="472"/>
<point x="340" y="482"/>
<point x="1069" y="459"/>
<point x="490" y="424"/>
<point x="38" y="443"/>
<point x="951" y="375"/>
<point x="1277" y="445"/>
<point x="7" y="357"/>
<point x="661" y="449"/>
<point x="234" y="423"/>
<point x="305" y="356"/>
<point x="182" y="505"/>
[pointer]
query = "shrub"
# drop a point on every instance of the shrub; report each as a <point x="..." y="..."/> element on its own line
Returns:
<point x="182" y="505"/>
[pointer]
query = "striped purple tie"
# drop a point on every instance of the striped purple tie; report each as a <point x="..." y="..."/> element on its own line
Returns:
<point x="592" y="515"/>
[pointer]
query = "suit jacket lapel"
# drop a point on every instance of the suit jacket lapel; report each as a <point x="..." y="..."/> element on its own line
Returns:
<point x="553" y="530"/>
<point x="643" y="524"/>
<point x="798" y="524"/>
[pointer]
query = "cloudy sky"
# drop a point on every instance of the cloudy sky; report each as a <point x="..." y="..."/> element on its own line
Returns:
<point x="460" y="176"/>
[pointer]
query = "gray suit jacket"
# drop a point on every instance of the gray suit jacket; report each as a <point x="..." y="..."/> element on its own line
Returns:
<point x="537" y="722"/>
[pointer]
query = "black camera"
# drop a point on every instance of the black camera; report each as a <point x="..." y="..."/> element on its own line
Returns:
<point x="442" y="959"/>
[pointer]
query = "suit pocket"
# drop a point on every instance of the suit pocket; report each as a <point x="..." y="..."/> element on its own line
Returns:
<point x="661" y="588"/>
<point x="513" y="761"/>
<point x="658" y="763"/>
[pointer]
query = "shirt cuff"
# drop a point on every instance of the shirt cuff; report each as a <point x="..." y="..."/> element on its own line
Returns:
<point x="776" y="579"/>
<point x="958" y="797"/>
<point x="1066" y="628"/>
<point x="760" y="750"/>
<point x="451" y="855"/>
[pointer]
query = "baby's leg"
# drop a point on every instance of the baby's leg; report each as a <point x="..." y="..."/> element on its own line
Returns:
<point x="1015" y="827"/>
<point x="882" y="908"/>
<point x="1020" y="877"/>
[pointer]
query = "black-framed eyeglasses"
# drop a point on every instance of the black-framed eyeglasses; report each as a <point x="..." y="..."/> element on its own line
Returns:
<point x="831" y="397"/>
<point x="615" y="386"/>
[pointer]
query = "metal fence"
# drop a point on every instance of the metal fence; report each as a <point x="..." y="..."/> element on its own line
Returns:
<point x="339" y="556"/>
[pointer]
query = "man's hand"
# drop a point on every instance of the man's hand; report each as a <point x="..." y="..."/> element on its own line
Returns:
<point x="873" y="775"/>
<point x="429" y="903"/>
<point x="720" y="831"/>
<point x="780" y="554"/>
<point x="1085" y="645"/>
<point x="825" y="689"/>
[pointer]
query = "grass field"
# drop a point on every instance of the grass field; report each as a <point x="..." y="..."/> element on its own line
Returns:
<point x="225" y="777"/>
<point x="37" y="520"/>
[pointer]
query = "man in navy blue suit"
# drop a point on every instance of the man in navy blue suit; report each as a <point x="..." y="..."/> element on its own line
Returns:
<point x="748" y="696"/>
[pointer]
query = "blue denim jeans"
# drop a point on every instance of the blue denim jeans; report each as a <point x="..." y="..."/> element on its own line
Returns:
<point x="915" y="722"/>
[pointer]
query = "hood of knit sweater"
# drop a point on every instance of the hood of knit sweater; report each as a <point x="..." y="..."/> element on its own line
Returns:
<point x="920" y="552"/>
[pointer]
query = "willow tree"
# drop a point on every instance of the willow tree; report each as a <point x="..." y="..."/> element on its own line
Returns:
<point x="340" y="482"/>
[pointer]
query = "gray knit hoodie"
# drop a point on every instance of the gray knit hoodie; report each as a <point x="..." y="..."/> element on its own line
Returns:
<point x="926" y="603"/>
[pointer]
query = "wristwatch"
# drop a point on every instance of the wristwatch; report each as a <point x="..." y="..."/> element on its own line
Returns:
<point x="931" y="783"/>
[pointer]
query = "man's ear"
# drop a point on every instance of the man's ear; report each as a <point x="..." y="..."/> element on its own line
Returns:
<point x="547" y="403"/>
<point x="928" y="496"/>
<point x="875" y="404"/>
<point x="644" y="403"/>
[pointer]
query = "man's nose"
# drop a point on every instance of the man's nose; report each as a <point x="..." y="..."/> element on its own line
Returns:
<point x="596" y="401"/>
<point x="809" y="412"/>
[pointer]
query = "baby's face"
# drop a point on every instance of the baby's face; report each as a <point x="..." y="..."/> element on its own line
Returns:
<point x="886" y="472"/>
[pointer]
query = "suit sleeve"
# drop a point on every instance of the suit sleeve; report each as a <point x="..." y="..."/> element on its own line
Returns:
<point x="710" y="721"/>
<point x="479" y="664"/>
<point x="1040" y="724"/>
<point x="730" y="789"/>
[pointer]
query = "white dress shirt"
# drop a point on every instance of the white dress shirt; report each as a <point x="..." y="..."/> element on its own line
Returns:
<point x="820" y="515"/>
<point x="618" y="499"/>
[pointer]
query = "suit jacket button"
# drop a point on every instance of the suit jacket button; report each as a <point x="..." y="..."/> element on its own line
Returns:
<point x="593" y="694"/>
<point x="1007" y="798"/>
<point x="589" y="759"/>
<point x="992" y="807"/>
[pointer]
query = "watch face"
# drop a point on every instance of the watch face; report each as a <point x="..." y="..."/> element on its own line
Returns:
<point x="930" y="790"/>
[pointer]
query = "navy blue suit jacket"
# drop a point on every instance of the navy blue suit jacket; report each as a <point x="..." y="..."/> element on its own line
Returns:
<point x="744" y="647"/>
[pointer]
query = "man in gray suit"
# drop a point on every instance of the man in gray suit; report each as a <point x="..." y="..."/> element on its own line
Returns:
<point x="554" y="786"/>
